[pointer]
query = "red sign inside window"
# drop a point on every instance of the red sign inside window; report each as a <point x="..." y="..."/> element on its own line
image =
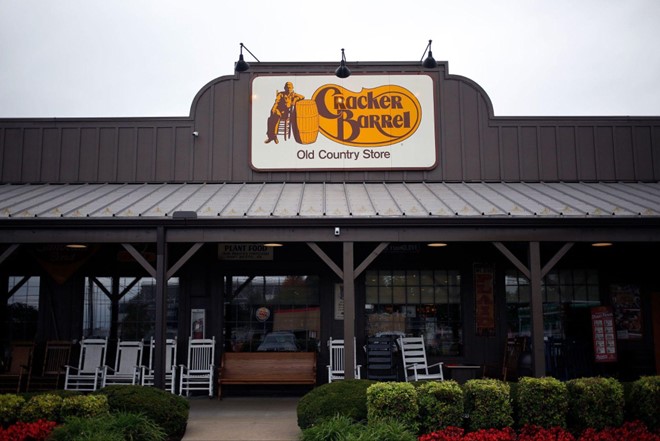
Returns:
<point x="604" y="333"/>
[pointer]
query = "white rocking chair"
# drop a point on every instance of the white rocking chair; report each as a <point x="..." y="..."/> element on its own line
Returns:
<point x="88" y="376"/>
<point x="197" y="374"/>
<point x="127" y="362"/>
<point x="147" y="372"/>
<point x="338" y="361"/>
<point x="415" y="366"/>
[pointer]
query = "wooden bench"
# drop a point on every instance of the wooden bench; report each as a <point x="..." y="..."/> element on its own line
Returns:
<point x="266" y="368"/>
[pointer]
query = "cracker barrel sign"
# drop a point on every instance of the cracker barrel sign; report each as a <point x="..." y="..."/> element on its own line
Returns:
<point x="362" y="122"/>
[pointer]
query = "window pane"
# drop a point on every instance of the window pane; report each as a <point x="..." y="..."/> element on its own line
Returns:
<point x="552" y="294"/>
<point x="426" y="278"/>
<point x="424" y="303"/>
<point x="274" y="313"/>
<point x="441" y="295"/>
<point x="427" y="294"/>
<point x="399" y="295"/>
<point x="414" y="295"/>
<point x="372" y="294"/>
<point x="22" y="308"/>
<point x="399" y="278"/>
<point x="371" y="278"/>
<point x="524" y="294"/>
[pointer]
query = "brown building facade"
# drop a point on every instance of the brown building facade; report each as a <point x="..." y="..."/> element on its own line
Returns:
<point x="179" y="218"/>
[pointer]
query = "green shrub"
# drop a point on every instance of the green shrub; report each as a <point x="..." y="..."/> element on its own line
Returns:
<point x="343" y="428"/>
<point x="110" y="427"/>
<point x="42" y="407"/>
<point x="85" y="406"/>
<point x="384" y="430"/>
<point x="393" y="401"/>
<point x="440" y="405"/>
<point x="10" y="408"/>
<point x="541" y="402"/>
<point x="594" y="402"/>
<point x="165" y="409"/>
<point x="488" y="404"/>
<point x="336" y="428"/>
<point x="643" y="402"/>
<point x="346" y="397"/>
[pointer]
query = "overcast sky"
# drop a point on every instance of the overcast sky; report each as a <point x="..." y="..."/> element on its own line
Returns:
<point x="70" y="58"/>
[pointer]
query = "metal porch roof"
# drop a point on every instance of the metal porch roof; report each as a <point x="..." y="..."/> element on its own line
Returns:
<point x="330" y="200"/>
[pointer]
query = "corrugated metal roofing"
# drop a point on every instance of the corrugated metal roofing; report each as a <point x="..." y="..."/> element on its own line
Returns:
<point x="340" y="200"/>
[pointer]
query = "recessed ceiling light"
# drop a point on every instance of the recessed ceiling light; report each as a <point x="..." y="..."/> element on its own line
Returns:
<point x="601" y="244"/>
<point x="76" y="245"/>
<point x="273" y="244"/>
<point x="436" y="244"/>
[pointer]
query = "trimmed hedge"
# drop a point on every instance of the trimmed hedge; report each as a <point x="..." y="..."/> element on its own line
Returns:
<point x="393" y="401"/>
<point x="84" y="406"/>
<point x="541" y="402"/>
<point x="644" y="402"/>
<point x="42" y="407"/>
<point x="10" y="408"/>
<point x="440" y="405"/>
<point x="346" y="397"/>
<point x="488" y="404"/>
<point x="165" y="409"/>
<point x="594" y="402"/>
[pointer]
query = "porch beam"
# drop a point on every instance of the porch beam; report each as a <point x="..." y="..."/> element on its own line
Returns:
<point x="191" y="252"/>
<point x="328" y="261"/>
<point x="555" y="259"/>
<point x="518" y="264"/>
<point x="140" y="259"/>
<point x="370" y="258"/>
<point x="8" y="252"/>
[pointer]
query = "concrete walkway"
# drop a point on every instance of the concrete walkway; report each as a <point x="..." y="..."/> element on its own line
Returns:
<point x="243" y="419"/>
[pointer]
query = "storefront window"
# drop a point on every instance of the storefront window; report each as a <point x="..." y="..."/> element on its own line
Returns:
<point x="273" y="313"/>
<point x="567" y="295"/>
<point x="136" y="307"/>
<point x="416" y="303"/>
<point x="22" y="308"/>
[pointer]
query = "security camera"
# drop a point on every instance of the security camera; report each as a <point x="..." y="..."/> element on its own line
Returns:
<point x="195" y="133"/>
<point x="337" y="231"/>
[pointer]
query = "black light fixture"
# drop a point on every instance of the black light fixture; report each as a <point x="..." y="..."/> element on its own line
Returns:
<point x="343" y="71"/>
<point x="241" y="64"/>
<point x="430" y="62"/>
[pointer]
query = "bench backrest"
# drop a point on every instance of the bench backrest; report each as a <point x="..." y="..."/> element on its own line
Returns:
<point x="258" y="365"/>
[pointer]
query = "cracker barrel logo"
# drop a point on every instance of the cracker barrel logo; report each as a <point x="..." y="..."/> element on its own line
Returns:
<point x="371" y="117"/>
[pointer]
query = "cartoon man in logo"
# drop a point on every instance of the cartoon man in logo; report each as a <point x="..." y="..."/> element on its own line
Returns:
<point x="284" y="103"/>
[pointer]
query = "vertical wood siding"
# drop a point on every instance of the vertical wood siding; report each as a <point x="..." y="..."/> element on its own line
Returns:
<point x="472" y="145"/>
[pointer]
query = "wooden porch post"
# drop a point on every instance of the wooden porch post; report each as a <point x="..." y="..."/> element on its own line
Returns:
<point x="536" y="307"/>
<point x="349" y="311"/>
<point x="161" y="309"/>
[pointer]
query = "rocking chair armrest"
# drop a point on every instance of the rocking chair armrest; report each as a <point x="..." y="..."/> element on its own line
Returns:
<point x="413" y="366"/>
<point x="436" y="364"/>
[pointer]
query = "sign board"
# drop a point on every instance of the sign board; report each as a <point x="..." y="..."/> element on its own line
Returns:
<point x="244" y="251"/>
<point x="339" y="301"/>
<point x="484" y="302"/>
<point x="364" y="122"/>
<point x="604" y="334"/>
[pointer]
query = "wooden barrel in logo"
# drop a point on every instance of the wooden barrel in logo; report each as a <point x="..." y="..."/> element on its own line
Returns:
<point x="306" y="122"/>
